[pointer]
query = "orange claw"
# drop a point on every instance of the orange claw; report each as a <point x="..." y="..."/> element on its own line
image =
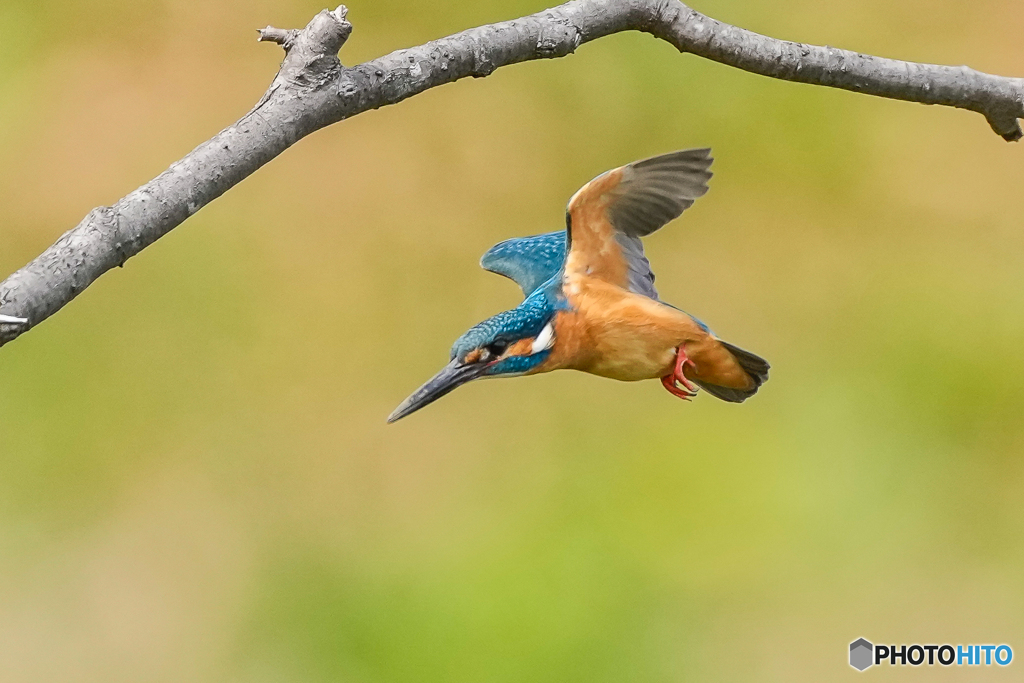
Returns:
<point x="671" y="382"/>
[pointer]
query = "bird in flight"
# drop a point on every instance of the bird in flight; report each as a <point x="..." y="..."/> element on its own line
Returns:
<point x="590" y="300"/>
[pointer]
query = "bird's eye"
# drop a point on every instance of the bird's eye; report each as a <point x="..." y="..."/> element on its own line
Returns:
<point x="496" y="348"/>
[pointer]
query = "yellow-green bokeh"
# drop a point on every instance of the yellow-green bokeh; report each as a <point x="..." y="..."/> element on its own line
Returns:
<point x="196" y="481"/>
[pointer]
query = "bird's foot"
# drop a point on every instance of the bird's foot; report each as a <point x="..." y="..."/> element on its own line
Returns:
<point x="669" y="382"/>
<point x="676" y="383"/>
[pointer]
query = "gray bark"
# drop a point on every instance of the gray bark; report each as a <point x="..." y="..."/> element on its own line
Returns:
<point x="313" y="90"/>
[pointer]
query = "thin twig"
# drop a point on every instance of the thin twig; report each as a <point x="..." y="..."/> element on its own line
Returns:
<point x="282" y="37"/>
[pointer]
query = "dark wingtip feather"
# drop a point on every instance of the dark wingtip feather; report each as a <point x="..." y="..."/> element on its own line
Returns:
<point x="657" y="190"/>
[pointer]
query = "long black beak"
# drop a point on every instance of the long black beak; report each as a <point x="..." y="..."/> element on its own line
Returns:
<point x="454" y="375"/>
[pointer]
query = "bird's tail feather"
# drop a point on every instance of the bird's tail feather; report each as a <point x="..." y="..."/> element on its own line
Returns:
<point x="754" y="365"/>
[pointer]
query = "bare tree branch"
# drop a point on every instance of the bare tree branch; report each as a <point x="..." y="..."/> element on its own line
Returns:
<point x="313" y="90"/>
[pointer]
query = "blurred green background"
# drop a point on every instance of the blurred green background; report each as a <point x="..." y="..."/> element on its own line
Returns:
<point x="196" y="481"/>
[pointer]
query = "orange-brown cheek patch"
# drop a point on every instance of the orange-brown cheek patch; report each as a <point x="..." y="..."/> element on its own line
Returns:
<point x="520" y="348"/>
<point x="473" y="356"/>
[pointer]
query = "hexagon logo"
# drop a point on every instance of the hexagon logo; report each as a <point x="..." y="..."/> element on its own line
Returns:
<point x="861" y="654"/>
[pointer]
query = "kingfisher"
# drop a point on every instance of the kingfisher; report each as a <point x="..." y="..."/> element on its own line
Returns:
<point x="590" y="302"/>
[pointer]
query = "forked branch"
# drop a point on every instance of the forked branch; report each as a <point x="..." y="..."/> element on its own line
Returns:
<point x="313" y="90"/>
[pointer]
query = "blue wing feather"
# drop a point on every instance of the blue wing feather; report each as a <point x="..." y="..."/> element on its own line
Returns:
<point x="530" y="261"/>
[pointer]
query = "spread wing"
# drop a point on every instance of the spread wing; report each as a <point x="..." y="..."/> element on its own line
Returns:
<point x="607" y="217"/>
<point x="530" y="261"/>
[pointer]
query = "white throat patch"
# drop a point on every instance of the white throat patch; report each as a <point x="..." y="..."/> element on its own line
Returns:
<point x="545" y="340"/>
